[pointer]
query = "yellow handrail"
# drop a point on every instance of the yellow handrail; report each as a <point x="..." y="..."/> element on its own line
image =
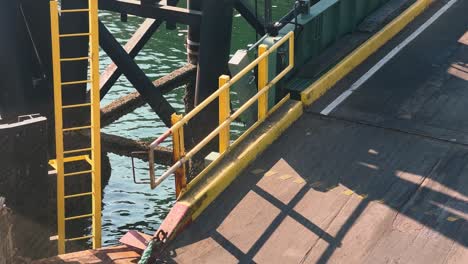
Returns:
<point x="225" y="119"/>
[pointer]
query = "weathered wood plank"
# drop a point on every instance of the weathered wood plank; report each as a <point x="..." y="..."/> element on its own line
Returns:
<point x="116" y="254"/>
<point x="132" y="101"/>
<point x="331" y="197"/>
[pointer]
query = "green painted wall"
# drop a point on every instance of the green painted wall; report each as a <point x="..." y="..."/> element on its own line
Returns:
<point x="327" y="22"/>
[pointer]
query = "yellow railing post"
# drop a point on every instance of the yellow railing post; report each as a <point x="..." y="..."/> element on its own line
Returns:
<point x="262" y="82"/>
<point x="95" y="121"/>
<point x="291" y="50"/>
<point x="178" y="152"/>
<point x="54" y="21"/>
<point x="225" y="117"/>
<point x="224" y="112"/>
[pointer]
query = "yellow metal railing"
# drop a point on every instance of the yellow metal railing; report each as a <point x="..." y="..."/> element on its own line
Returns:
<point x="225" y="116"/>
<point x="94" y="160"/>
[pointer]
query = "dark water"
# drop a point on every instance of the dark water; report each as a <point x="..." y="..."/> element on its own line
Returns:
<point x="128" y="206"/>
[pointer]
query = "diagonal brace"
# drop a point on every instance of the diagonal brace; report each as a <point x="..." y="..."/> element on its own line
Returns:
<point x="135" y="75"/>
<point x="250" y="17"/>
<point x="112" y="73"/>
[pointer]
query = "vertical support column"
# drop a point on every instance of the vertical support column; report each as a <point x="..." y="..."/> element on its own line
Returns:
<point x="178" y="146"/>
<point x="54" y="22"/>
<point x="268" y="15"/>
<point x="193" y="48"/>
<point x="215" y="40"/>
<point x="215" y="45"/>
<point x="262" y="82"/>
<point x="224" y="112"/>
<point x="36" y="15"/>
<point x="171" y="25"/>
<point x="193" y="37"/>
<point x="15" y="63"/>
<point x="95" y="121"/>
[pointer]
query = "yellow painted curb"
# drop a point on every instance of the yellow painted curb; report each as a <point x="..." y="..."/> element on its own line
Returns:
<point x="199" y="197"/>
<point x="322" y="85"/>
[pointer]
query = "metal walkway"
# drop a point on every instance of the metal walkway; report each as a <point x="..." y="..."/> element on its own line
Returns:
<point x="382" y="178"/>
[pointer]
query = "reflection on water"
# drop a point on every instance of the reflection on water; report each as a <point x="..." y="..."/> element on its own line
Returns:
<point x="128" y="206"/>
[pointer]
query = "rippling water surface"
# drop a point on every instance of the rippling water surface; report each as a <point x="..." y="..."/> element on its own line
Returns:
<point x="127" y="206"/>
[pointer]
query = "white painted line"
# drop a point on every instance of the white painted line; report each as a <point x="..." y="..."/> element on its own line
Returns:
<point x="385" y="59"/>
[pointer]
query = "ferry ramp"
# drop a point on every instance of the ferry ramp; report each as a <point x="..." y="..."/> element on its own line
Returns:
<point x="375" y="174"/>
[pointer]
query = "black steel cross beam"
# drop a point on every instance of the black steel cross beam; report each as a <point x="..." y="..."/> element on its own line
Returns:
<point x="156" y="11"/>
<point x="133" y="47"/>
<point x="135" y="75"/>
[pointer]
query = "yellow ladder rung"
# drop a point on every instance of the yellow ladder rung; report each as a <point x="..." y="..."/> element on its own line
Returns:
<point x="78" y="217"/>
<point x="75" y="158"/>
<point x="75" y="59"/>
<point x="78" y="238"/>
<point x="75" y="105"/>
<point x="76" y="82"/>
<point x="77" y="173"/>
<point x="74" y="35"/>
<point x="76" y="128"/>
<point x="77" y="150"/>
<point x="77" y="195"/>
<point x="53" y="162"/>
<point x="73" y="10"/>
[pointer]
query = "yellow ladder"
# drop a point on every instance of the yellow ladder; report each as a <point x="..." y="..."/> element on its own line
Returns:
<point x="94" y="160"/>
